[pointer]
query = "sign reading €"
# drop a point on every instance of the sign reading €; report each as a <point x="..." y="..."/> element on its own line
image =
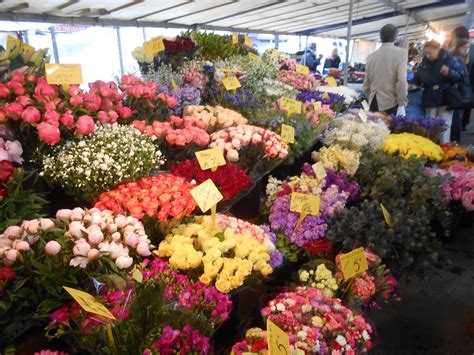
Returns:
<point x="206" y="195"/>
<point x="89" y="303"/>
<point x="154" y="46"/>
<point x="353" y="263"/>
<point x="278" y="340"/>
<point x="65" y="74"/>
<point x="210" y="158"/>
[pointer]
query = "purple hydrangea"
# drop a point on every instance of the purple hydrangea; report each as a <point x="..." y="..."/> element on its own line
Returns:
<point x="276" y="259"/>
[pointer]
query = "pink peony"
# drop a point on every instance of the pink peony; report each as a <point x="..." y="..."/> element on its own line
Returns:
<point x="171" y="101"/>
<point x="49" y="133"/>
<point x="15" y="151"/>
<point x="10" y="257"/>
<point x="93" y="254"/>
<point x="94" y="235"/>
<point x="32" y="226"/>
<point x="81" y="248"/>
<point x="46" y="224"/>
<point x="21" y="245"/>
<point x="143" y="249"/>
<point x="31" y="115"/>
<point x="4" y="91"/>
<point x="67" y="120"/>
<point x="103" y="117"/>
<point x="13" y="232"/>
<point x="52" y="117"/>
<point x="64" y="213"/>
<point x="124" y="112"/>
<point x="123" y="262"/>
<point x="85" y="125"/>
<point x="76" y="228"/>
<point x="52" y="248"/>
<point x="76" y="101"/>
<point x="14" y="110"/>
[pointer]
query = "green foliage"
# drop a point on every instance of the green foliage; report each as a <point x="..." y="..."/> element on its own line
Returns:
<point x="212" y="46"/>
<point x="21" y="203"/>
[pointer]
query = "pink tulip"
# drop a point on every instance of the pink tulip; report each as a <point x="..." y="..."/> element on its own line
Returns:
<point x="52" y="248"/>
<point x="49" y="133"/>
<point x="85" y="125"/>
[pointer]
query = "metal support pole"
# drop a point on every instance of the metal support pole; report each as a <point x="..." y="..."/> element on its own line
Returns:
<point x="55" y="45"/>
<point x="348" y="45"/>
<point x="119" y="42"/>
<point x="277" y="40"/>
<point x="144" y="34"/>
<point x="405" y="39"/>
<point x="25" y="37"/>
<point x="305" y="49"/>
<point x="469" y="19"/>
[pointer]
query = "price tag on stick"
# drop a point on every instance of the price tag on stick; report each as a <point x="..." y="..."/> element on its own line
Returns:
<point x="210" y="158"/>
<point x="353" y="263"/>
<point x="89" y="303"/>
<point x="363" y="116"/>
<point x="290" y="105"/>
<point x="365" y="106"/>
<point x="206" y="195"/>
<point x="231" y="83"/>
<point x="235" y="38"/>
<point x="65" y="74"/>
<point x="278" y="340"/>
<point x="304" y="204"/>
<point x="154" y="46"/>
<point x="386" y="216"/>
<point x="248" y="41"/>
<point x="319" y="171"/>
<point x="288" y="133"/>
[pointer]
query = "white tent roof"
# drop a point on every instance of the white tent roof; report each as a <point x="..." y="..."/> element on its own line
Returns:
<point x="301" y="17"/>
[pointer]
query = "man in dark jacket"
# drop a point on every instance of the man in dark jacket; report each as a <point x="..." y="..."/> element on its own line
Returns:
<point x="309" y="58"/>
<point x="437" y="72"/>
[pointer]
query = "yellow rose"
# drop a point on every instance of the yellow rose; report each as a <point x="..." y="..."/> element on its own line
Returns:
<point x="205" y="279"/>
<point x="266" y="270"/>
<point x="235" y="282"/>
<point x="223" y="285"/>
<point x="224" y="274"/>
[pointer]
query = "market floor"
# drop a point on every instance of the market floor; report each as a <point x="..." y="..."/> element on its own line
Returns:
<point x="434" y="315"/>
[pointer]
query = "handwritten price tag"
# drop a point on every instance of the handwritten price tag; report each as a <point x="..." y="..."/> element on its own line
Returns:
<point x="89" y="303"/>
<point x="248" y="41"/>
<point x="154" y="46"/>
<point x="331" y="81"/>
<point x="363" y="116"/>
<point x="288" y="133"/>
<point x="206" y="195"/>
<point x="386" y="216"/>
<point x="235" y="38"/>
<point x="63" y="74"/>
<point x="231" y="83"/>
<point x="365" y="106"/>
<point x="290" y="105"/>
<point x="319" y="170"/>
<point x="255" y="57"/>
<point x="303" y="69"/>
<point x="278" y="340"/>
<point x="305" y="203"/>
<point x="353" y="263"/>
<point x="210" y="158"/>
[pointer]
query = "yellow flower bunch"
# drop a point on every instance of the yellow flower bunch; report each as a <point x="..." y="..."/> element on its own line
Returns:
<point x="337" y="158"/>
<point x="409" y="144"/>
<point x="226" y="257"/>
<point x="321" y="278"/>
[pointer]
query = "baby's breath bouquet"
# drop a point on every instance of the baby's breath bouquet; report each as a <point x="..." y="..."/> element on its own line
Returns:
<point x="101" y="160"/>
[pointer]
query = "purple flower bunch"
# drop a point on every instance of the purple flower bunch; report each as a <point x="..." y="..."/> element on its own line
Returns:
<point x="276" y="257"/>
<point x="179" y="341"/>
<point x="195" y="297"/>
<point x="312" y="227"/>
<point x="335" y="101"/>
<point x="340" y="179"/>
<point x="427" y="127"/>
<point x="243" y="98"/>
<point x="187" y="95"/>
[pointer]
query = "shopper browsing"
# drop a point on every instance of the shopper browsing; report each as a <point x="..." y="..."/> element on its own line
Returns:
<point x="333" y="61"/>
<point x="385" y="81"/>
<point x="437" y="73"/>
<point x="309" y="58"/>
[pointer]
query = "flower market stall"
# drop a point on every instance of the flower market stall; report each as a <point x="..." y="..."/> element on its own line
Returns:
<point x="121" y="229"/>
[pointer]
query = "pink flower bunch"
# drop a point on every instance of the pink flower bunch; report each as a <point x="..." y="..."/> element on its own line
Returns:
<point x="317" y="324"/>
<point x="194" y="297"/>
<point x="232" y="140"/>
<point x="322" y="112"/>
<point x="11" y="150"/>
<point x="298" y="80"/>
<point x="49" y="352"/>
<point x="117" y="302"/>
<point x="288" y="64"/>
<point x="96" y="234"/>
<point x="461" y="187"/>
<point x="135" y="88"/>
<point x="176" y="131"/>
<point x="241" y="227"/>
<point x="194" y="75"/>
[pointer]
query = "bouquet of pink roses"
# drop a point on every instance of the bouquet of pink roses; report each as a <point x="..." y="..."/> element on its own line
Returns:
<point x="298" y="80"/>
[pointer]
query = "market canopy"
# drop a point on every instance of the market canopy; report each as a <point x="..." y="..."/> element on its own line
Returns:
<point x="298" y="17"/>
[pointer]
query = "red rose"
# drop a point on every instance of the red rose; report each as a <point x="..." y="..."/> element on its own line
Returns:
<point x="7" y="274"/>
<point x="259" y="346"/>
<point x="6" y="170"/>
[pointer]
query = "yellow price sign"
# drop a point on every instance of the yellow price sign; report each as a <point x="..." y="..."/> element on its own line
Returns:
<point x="230" y="70"/>
<point x="365" y="106"/>
<point x="206" y="195"/>
<point x="89" y="303"/>
<point x="331" y="81"/>
<point x="63" y="74"/>
<point x="12" y="42"/>
<point x="137" y="276"/>
<point x="319" y="171"/>
<point x="353" y="263"/>
<point x="154" y="46"/>
<point x="386" y="216"/>
<point x="305" y="203"/>
<point x="210" y="158"/>
<point x="363" y="116"/>
<point x="255" y="57"/>
<point x="303" y="69"/>
<point x="231" y="83"/>
<point x="248" y="41"/>
<point x="235" y="38"/>
<point x="278" y="340"/>
<point x="290" y="105"/>
<point x="288" y="133"/>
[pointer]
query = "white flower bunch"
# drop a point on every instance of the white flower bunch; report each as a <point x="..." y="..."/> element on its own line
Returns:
<point x="110" y="155"/>
<point x="139" y="54"/>
<point x="273" y="187"/>
<point x="349" y="94"/>
<point x="321" y="278"/>
<point x="352" y="134"/>
<point x="277" y="88"/>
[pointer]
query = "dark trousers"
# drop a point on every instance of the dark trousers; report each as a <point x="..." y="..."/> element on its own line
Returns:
<point x="466" y="117"/>
<point x="456" y="126"/>
<point x="374" y="107"/>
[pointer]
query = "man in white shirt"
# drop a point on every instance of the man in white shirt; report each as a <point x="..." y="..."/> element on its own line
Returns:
<point x="385" y="82"/>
